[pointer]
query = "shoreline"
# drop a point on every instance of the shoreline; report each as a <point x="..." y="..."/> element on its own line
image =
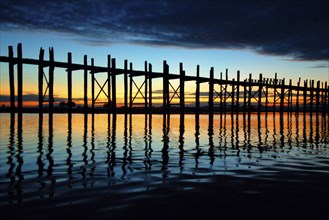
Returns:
<point x="147" y="111"/>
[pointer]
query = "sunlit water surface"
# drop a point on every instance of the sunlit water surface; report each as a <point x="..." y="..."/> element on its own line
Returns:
<point x="118" y="161"/>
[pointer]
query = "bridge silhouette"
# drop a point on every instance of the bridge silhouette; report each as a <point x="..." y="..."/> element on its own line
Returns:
<point x="233" y="95"/>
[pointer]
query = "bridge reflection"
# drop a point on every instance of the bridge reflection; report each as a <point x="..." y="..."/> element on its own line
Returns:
<point x="149" y="147"/>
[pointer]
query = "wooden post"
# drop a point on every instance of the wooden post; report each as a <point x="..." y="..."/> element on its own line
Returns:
<point x="260" y="88"/>
<point x="275" y="91"/>
<point x="232" y="96"/>
<point x="244" y="96"/>
<point x="113" y="77"/>
<point x="317" y="97"/>
<point x="181" y="89"/>
<point x="92" y="85"/>
<point x="290" y="96"/>
<point x="211" y="92"/>
<point x="150" y="88"/>
<point x="11" y="77"/>
<point x="305" y="94"/>
<point x="282" y="96"/>
<point x="197" y="90"/>
<point x="85" y="83"/>
<point x="266" y="96"/>
<point x="145" y="86"/>
<point x="125" y="80"/>
<point x="164" y="98"/>
<point x="249" y="92"/>
<point x="325" y="102"/>
<point x="51" y="79"/>
<point x="326" y="97"/>
<point x="226" y="79"/>
<point x="238" y="91"/>
<point x="40" y="79"/>
<point x="19" y="78"/>
<point x="322" y="97"/>
<point x="131" y="87"/>
<point x="297" y="96"/>
<point x="165" y="87"/>
<point x="311" y="95"/>
<point x="221" y="92"/>
<point x="69" y="81"/>
<point x="109" y="104"/>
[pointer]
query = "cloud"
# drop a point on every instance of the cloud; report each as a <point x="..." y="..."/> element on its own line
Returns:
<point x="325" y="66"/>
<point x="295" y="29"/>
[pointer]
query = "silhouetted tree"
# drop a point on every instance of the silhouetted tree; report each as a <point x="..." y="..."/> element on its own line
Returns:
<point x="64" y="104"/>
<point x="72" y="104"/>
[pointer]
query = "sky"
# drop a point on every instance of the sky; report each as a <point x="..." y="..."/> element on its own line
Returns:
<point x="290" y="38"/>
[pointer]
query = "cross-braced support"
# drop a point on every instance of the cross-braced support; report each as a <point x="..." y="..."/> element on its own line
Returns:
<point x="110" y="82"/>
<point x="144" y="84"/>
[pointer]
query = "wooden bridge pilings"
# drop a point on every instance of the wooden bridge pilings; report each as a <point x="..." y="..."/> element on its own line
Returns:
<point x="258" y="95"/>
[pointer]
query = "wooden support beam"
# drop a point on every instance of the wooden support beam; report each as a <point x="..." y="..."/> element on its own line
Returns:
<point x="232" y="96"/>
<point x="125" y="86"/>
<point x="282" y="96"/>
<point x="266" y="96"/>
<point x="113" y="77"/>
<point x="297" y="96"/>
<point x="11" y="77"/>
<point x="225" y="89"/>
<point x="317" y="97"/>
<point x="238" y="91"/>
<point x="322" y="97"/>
<point x="164" y="98"/>
<point x="51" y="79"/>
<point x="244" y="96"/>
<point x="69" y="81"/>
<point x="40" y="80"/>
<point x="325" y="101"/>
<point x="150" y="88"/>
<point x="290" y="96"/>
<point x="131" y="87"/>
<point x="165" y="87"/>
<point x="260" y="89"/>
<point x="145" y="86"/>
<point x="109" y="84"/>
<point x="197" y="90"/>
<point x="326" y="97"/>
<point x="305" y="95"/>
<point x="211" y="92"/>
<point x="221" y="92"/>
<point x="275" y="91"/>
<point x="93" y="87"/>
<point x="181" y="89"/>
<point x="311" y="95"/>
<point x="19" y="78"/>
<point x="249" y="92"/>
<point x="85" y="82"/>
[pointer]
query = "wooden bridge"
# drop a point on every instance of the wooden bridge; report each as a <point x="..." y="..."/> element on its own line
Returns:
<point x="271" y="94"/>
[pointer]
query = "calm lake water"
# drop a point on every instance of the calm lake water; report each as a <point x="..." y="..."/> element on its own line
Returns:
<point x="137" y="166"/>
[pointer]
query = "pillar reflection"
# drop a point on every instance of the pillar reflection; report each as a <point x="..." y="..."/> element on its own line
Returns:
<point x="165" y="148"/>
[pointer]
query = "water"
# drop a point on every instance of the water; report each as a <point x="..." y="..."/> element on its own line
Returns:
<point x="129" y="166"/>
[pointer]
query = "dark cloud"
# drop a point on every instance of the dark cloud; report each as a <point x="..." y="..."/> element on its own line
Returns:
<point x="320" y="66"/>
<point x="297" y="29"/>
